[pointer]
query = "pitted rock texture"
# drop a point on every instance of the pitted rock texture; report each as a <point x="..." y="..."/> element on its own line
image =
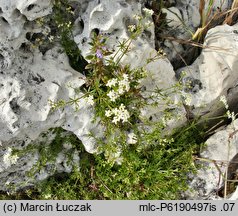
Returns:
<point x="28" y="80"/>
<point x="25" y="172"/>
<point x="27" y="85"/>
<point x="111" y="19"/>
<point x="14" y="15"/>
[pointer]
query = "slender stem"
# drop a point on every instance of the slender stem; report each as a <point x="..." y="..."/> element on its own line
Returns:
<point x="120" y="49"/>
<point x="124" y="52"/>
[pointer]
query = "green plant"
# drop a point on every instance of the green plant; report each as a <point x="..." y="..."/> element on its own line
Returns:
<point x="116" y="93"/>
<point x="48" y="150"/>
<point x="210" y="18"/>
<point x="136" y="160"/>
<point x="58" y="29"/>
<point x="148" y="172"/>
<point x="205" y="18"/>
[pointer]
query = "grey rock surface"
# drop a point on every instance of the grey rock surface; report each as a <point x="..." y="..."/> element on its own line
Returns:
<point x="111" y="19"/>
<point x="28" y="80"/>
<point x="219" y="150"/>
<point x="214" y="73"/>
<point x="183" y="20"/>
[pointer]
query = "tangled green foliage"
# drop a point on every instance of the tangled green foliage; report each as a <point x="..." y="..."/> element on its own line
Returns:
<point x="115" y="92"/>
<point x="136" y="160"/>
<point x="154" y="172"/>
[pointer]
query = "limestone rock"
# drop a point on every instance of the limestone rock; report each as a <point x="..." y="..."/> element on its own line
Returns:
<point x="23" y="171"/>
<point x="214" y="72"/>
<point x="112" y="19"/>
<point x="28" y="80"/>
<point x="15" y="14"/>
<point x="27" y="83"/>
<point x="220" y="148"/>
<point x="173" y="17"/>
<point x="34" y="9"/>
<point x="183" y="19"/>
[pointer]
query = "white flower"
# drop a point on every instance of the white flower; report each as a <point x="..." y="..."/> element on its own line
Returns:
<point x="60" y="25"/>
<point x="115" y="119"/>
<point x="68" y="24"/>
<point x="132" y="139"/>
<point x="164" y="121"/>
<point x="120" y="114"/>
<point x="108" y="113"/>
<point x="121" y="90"/>
<point x="148" y="23"/>
<point x="231" y="115"/>
<point x="124" y="85"/>
<point x="124" y="114"/>
<point x="224" y="101"/>
<point x="51" y="38"/>
<point x="112" y="95"/>
<point x="111" y="82"/>
<point x="9" y="159"/>
<point x="116" y="113"/>
<point x="131" y="28"/>
<point x="69" y="10"/>
<point x="89" y="100"/>
<point x="125" y="77"/>
<point x="148" y="11"/>
<point x="187" y="99"/>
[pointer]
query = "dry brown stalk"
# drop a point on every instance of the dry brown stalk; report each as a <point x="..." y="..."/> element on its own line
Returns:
<point x="230" y="17"/>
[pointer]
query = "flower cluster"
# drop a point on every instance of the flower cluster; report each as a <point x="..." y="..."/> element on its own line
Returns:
<point x="89" y="100"/>
<point x="142" y="23"/>
<point x="148" y="24"/>
<point x="230" y="115"/>
<point x="148" y="12"/>
<point x="67" y="25"/>
<point x="132" y="28"/>
<point x="118" y="87"/>
<point x="187" y="98"/>
<point x="224" y="101"/>
<point x="120" y="114"/>
<point x="70" y="10"/>
<point x="9" y="159"/>
<point x="137" y="17"/>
